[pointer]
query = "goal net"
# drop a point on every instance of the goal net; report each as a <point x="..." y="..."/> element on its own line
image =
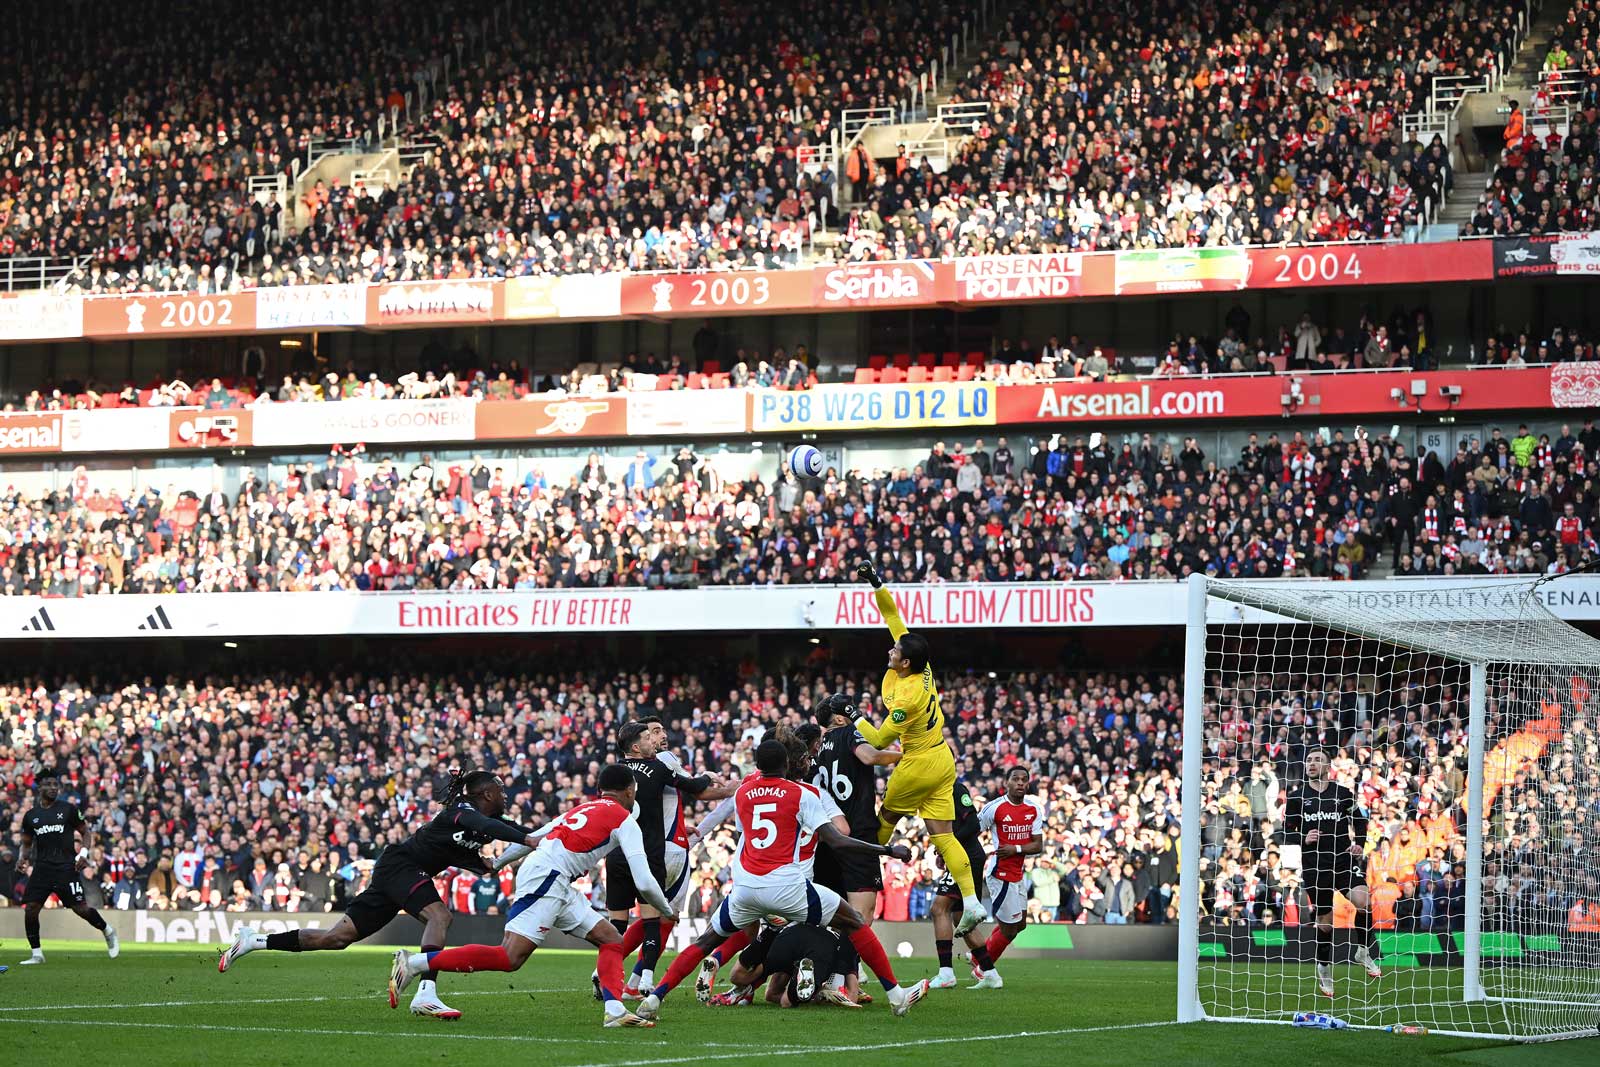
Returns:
<point x="1461" y="715"/>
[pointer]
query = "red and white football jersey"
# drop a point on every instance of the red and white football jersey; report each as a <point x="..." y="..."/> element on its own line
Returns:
<point x="585" y="835"/>
<point x="1013" y="824"/>
<point x="778" y="819"/>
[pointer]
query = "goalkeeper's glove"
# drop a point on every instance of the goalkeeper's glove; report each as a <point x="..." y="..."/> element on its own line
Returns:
<point x="867" y="571"/>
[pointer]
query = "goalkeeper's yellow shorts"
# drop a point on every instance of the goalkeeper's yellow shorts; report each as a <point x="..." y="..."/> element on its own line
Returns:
<point x="923" y="784"/>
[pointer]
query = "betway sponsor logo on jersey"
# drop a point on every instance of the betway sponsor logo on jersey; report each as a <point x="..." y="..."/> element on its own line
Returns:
<point x="1018" y="277"/>
<point x="876" y="284"/>
<point x="30" y="433"/>
<point x="1143" y="400"/>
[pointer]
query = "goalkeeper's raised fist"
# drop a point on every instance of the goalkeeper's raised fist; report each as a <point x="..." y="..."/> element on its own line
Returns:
<point x="865" y="570"/>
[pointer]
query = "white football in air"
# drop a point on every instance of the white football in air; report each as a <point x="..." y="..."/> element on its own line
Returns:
<point x="805" y="461"/>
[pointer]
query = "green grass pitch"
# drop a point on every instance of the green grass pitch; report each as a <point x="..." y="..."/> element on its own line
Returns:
<point x="170" y="1006"/>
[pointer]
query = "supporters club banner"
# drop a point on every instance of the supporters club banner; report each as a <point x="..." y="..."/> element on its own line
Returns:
<point x="1021" y="605"/>
<point x="995" y="278"/>
<point x="1570" y="254"/>
<point x="299" y="307"/>
<point x="434" y="303"/>
<point x="1181" y="270"/>
<point x="873" y="407"/>
<point x="40" y="316"/>
<point x="352" y="421"/>
<point x="569" y="296"/>
<point x="877" y="285"/>
<point x="687" y="413"/>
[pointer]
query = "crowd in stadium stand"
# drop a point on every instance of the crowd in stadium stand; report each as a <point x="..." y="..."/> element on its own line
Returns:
<point x="1057" y="510"/>
<point x="1280" y="127"/>
<point x="275" y="791"/>
<point x="662" y="140"/>
<point x="563" y="140"/>
<point x="1545" y="179"/>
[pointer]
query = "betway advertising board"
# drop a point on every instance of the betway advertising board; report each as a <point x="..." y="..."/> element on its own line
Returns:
<point x="821" y="608"/>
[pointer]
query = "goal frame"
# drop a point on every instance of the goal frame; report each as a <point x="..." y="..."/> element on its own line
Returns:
<point x="1190" y="1007"/>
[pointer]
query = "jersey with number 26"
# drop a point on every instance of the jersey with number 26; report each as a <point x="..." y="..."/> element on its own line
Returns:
<point x="778" y="819"/>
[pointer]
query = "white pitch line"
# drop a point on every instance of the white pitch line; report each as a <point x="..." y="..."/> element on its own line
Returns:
<point x="433" y="1035"/>
<point x="808" y="1050"/>
<point x="229" y="1002"/>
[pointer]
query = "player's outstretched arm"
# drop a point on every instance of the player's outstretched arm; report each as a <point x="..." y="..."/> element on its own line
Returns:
<point x="881" y="596"/>
<point x="829" y="835"/>
<point x="873" y="757"/>
<point x="523" y="848"/>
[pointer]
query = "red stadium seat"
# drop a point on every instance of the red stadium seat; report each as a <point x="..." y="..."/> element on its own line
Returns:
<point x="710" y="366"/>
<point x="902" y="360"/>
<point x="951" y="359"/>
<point x="944" y="374"/>
<point x="866" y="376"/>
<point x="917" y="375"/>
<point x="877" y="362"/>
<point x="893" y="376"/>
<point x="927" y="359"/>
<point x="966" y="372"/>
<point x="977" y="359"/>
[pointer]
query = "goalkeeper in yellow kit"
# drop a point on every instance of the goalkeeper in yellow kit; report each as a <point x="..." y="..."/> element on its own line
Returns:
<point x="923" y="782"/>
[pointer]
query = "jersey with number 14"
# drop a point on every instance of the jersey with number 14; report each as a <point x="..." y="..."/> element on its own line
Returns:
<point x="778" y="819"/>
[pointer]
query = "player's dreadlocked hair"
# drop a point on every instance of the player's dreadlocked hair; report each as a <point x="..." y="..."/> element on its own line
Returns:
<point x="467" y="784"/>
<point x="799" y="751"/>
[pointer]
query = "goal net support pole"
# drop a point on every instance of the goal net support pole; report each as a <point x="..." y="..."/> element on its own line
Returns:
<point x="1461" y="716"/>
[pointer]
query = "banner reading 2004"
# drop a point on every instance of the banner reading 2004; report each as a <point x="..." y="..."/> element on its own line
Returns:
<point x="869" y="407"/>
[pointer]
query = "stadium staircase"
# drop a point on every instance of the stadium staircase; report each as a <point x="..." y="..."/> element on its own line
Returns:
<point x="927" y="125"/>
<point x="1484" y="107"/>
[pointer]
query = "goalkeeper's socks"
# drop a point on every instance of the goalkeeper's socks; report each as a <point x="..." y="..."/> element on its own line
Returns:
<point x="996" y="946"/>
<point x="943" y="946"/>
<point x="960" y="868"/>
<point x="886" y="828"/>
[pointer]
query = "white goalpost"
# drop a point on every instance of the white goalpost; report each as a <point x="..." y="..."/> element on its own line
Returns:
<point x="1462" y="716"/>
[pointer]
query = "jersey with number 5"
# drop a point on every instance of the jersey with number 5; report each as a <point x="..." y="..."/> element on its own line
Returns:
<point x="852" y="784"/>
<point x="778" y="819"/>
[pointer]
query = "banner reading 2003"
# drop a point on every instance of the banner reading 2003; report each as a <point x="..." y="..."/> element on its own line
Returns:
<point x="873" y="407"/>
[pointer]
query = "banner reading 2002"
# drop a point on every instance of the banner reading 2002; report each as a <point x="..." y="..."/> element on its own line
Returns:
<point x="873" y="407"/>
